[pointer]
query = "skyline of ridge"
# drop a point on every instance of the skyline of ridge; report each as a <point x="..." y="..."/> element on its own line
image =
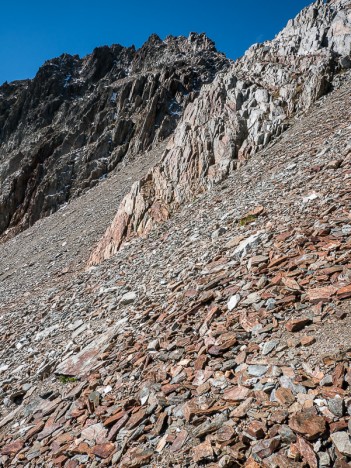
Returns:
<point x="52" y="31"/>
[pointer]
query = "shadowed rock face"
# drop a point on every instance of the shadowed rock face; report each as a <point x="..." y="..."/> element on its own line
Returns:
<point x="70" y="126"/>
<point x="238" y="114"/>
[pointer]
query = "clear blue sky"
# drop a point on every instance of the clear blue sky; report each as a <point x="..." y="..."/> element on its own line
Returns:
<point x="33" y="31"/>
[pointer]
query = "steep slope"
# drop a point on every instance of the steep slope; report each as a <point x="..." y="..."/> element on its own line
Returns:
<point x="221" y="340"/>
<point x="70" y="126"/>
<point x="237" y="115"/>
<point x="60" y="244"/>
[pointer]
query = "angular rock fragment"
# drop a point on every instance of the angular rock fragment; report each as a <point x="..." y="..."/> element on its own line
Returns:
<point x="342" y="442"/>
<point x="297" y="324"/>
<point x="236" y="394"/>
<point x="308" y="423"/>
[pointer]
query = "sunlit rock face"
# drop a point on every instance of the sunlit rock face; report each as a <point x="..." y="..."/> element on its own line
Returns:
<point x="239" y="113"/>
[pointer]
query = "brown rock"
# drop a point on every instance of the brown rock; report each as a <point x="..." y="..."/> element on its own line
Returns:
<point x="331" y="392"/>
<point x="338" y="375"/>
<point x="251" y="463"/>
<point x="200" y="362"/>
<point x="241" y="410"/>
<point x="280" y="460"/>
<point x="82" y="448"/>
<point x="297" y="324"/>
<point x="203" y="451"/>
<point x="256" y="260"/>
<point x="61" y="440"/>
<point x="308" y="423"/>
<point x="179" y="441"/>
<point x="136" y="458"/>
<point x="265" y="448"/>
<point x="60" y="460"/>
<point x="169" y="388"/>
<point x="160" y="423"/>
<point x="338" y="426"/>
<point x="257" y="211"/>
<point x="136" y="418"/>
<point x="71" y="464"/>
<point x="114" y="418"/>
<point x="278" y="261"/>
<point x="344" y="292"/>
<point x="307" y="340"/>
<point x="218" y="350"/>
<point x="294" y="452"/>
<point x="48" y="429"/>
<point x="307" y="452"/>
<point x="225" y="433"/>
<point x="321" y="294"/>
<point x="291" y="284"/>
<point x="334" y="164"/>
<point x="117" y="427"/>
<point x="236" y="394"/>
<point x="37" y="428"/>
<point x="284" y="396"/>
<point x="103" y="450"/>
<point x="256" y="430"/>
<point x="12" y="448"/>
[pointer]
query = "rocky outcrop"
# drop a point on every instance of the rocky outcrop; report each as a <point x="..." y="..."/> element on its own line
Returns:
<point x="70" y="126"/>
<point x="238" y="114"/>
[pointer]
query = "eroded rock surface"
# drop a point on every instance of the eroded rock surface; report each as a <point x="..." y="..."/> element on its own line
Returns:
<point x="221" y="339"/>
<point x="145" y="360"/>
<point x="237" y="115"/>
<point x="69" y="127"/>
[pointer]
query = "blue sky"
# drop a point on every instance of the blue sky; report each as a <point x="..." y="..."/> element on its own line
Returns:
<point x="37" y="30"/>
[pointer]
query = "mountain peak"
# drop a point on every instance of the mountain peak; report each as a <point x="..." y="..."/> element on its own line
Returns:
<point x="201" y="41"/>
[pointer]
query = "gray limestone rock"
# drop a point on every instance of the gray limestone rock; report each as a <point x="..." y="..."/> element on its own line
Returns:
<point x="342" y="442"/>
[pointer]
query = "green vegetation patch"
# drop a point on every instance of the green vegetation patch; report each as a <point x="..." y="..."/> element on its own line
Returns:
<point x="247" y="220"/>
<point x="65" y="379"/>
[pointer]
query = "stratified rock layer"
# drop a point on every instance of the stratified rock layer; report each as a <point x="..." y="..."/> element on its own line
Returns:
<point x="237" y="115"/>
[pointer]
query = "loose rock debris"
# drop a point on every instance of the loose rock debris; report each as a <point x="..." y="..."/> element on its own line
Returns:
<point x="147" y="360"/>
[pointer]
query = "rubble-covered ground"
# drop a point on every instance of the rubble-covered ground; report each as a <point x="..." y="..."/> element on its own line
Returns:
<point x="221" y="340"/>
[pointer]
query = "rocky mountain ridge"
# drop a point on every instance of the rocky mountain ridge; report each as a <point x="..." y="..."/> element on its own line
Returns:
<point x="220" y="340"/>
<point x="237" y="115"/>
<point x="69" y="127"/>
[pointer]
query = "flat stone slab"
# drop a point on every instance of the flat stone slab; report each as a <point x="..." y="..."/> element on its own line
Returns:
<point x="81" y="363"/>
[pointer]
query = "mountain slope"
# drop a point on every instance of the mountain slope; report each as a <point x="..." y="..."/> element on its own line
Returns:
<point x="192" y="347"/>
<point x="237" y="115"/>
<point x="222" y="337"/>
<point x="60" y="244"/>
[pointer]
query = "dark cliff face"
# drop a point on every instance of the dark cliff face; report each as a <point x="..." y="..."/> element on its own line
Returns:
<point x="70" y="126"/>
